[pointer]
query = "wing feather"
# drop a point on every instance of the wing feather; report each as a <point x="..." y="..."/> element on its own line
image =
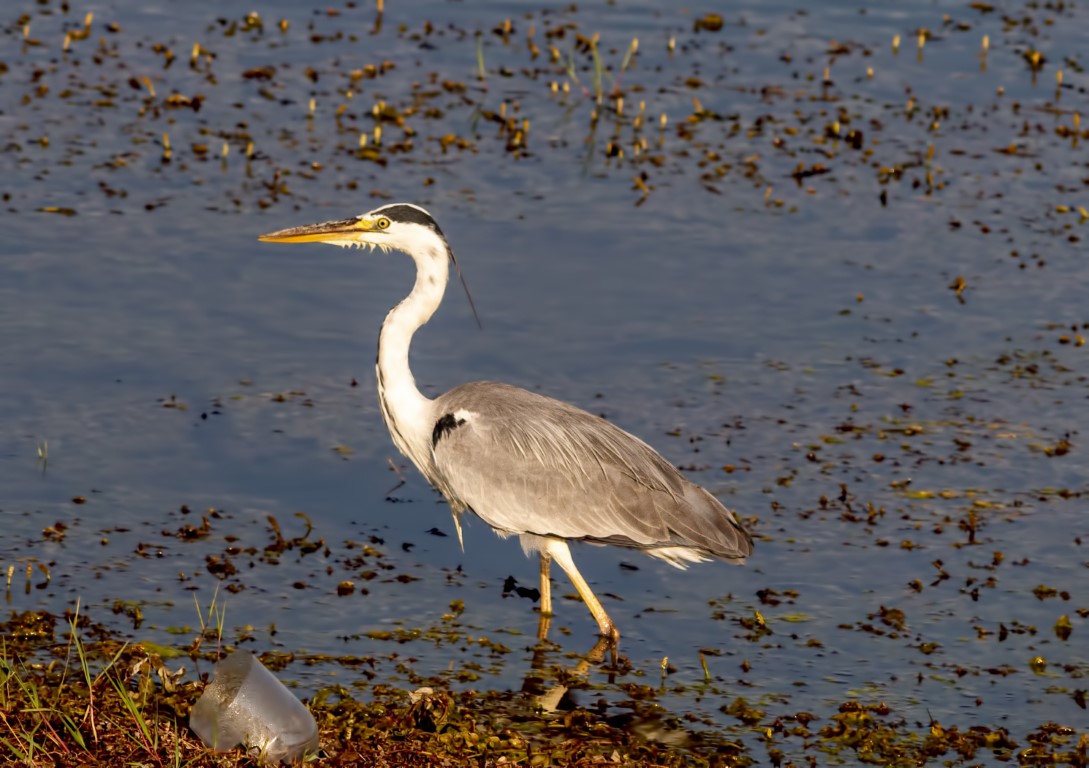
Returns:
<point x="526" y="463"/>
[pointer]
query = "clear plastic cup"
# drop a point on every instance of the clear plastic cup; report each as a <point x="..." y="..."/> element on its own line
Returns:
<point x="245" y="704"/>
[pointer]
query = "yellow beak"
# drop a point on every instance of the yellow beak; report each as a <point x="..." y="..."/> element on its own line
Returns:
<point x="334" y="232"/>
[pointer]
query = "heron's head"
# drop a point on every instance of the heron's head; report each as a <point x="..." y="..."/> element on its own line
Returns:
<point x="400" y="226"/>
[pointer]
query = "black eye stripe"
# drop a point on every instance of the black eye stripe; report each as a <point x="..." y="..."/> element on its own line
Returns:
<point x="409" y="214"/>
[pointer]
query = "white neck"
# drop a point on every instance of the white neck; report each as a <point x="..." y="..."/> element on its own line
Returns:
<point x="407" y="412"/>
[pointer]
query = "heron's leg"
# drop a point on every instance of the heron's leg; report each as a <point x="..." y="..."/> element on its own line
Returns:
<point x="546" y="583"/>
<point x="561" y="553"/>
<point x="546" y="596"/>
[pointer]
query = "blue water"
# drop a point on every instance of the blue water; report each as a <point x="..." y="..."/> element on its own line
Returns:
<point x="790" y="330"/>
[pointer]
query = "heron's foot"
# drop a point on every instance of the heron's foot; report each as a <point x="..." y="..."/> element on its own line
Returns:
<point x="597" y="653"/>
<point x="610" y="634"/>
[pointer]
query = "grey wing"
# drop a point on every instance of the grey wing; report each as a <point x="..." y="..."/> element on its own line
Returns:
<point x="525" y="463"/>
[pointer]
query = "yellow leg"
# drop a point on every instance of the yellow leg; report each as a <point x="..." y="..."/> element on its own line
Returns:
<point x="546" y="596"/>
<point x="546" y="584"/>
<point x="558" y="550"/>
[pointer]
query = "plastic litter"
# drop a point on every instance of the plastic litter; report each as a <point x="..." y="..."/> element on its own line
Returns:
<point x="246" y="704"/>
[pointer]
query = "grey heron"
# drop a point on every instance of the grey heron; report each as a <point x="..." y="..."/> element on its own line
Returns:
<point x="528" y="465"/>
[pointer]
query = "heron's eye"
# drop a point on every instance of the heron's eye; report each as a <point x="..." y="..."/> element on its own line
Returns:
<point x="382" y="223"/>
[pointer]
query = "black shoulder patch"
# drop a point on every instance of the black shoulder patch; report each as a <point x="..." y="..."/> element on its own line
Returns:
<point x="447" y="423"/>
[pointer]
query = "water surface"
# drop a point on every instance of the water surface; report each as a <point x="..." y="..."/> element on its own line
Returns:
<point x="779" y="315"/>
